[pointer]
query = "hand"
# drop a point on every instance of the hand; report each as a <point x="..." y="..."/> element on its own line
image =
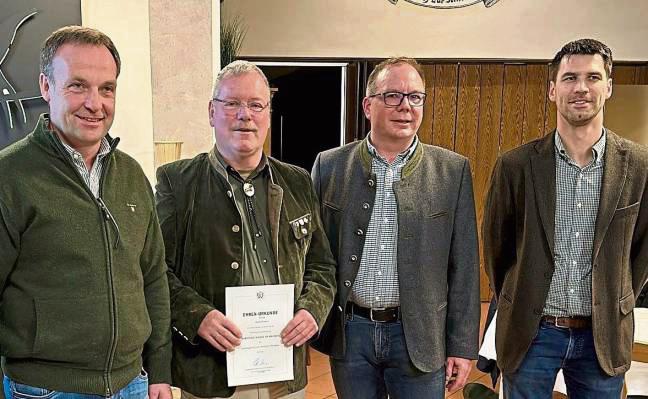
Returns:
<point x="457" y="370"/>
<point x="159" y="391"/>
<point x="300" y="329"/>
<point x="219" y="331"/>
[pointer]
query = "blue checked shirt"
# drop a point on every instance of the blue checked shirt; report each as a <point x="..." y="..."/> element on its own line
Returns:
<point x="578" y="191"/>
<point x="376" y="285"/>
<point x="91" y="177"/>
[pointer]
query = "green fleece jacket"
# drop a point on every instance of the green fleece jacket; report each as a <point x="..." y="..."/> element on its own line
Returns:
<point x="84" y="300"/>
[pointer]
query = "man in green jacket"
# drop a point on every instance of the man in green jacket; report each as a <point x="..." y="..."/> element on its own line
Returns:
<point x="234" y="217"/>
<point x="84" y="300"/>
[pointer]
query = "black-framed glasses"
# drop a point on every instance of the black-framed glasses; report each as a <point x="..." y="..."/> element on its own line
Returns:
<point x="234" y="105"/>
<point x="395" y="98"/>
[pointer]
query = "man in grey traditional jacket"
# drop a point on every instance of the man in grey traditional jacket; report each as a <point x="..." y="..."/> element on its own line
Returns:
<point x="400" y="217"/>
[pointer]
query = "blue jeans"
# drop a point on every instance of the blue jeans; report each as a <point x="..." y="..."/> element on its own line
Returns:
<point x="136" y="389"/>
<point x="377" y="364"/>
<point x="571" y="350"/>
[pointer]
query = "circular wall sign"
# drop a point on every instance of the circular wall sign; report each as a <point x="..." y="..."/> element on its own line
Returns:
<point x="448" y="3"/>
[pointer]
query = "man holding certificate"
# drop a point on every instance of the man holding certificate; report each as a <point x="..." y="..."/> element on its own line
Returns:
<point x="250" y="269"/>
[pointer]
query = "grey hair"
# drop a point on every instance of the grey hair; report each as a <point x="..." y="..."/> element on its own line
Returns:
<point x="237" y="68"/>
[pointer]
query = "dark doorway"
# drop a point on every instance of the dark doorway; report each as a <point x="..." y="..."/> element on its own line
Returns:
<point x="306" y="110"/>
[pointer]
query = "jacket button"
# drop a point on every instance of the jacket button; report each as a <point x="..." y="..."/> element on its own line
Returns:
<point x="235" y="265"/>
<point x="353" y="258"/>
<point x="359" y="232"/>
<point x="347" y="283"/>
<point x="229" y="194"/>
<point x="365" y="206"/>
<point x="236" y="228"/>
<point x="371" y="183"/>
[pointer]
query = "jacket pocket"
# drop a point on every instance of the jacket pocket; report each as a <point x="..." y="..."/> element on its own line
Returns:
<point x="73" y="330"/>
<point x="23" y="391"/>
<point x="627" y="210"/>
<point x="436" y="214"/>
<point x="332" y="206"/>
<point x="302" y="226"/>
<point x="627" y="304"/>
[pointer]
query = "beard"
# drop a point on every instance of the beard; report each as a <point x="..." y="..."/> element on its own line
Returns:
<point x="580" y="117"/>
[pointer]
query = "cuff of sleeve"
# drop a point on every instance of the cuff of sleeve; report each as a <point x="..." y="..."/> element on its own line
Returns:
<point x="187" y="327"/>
<point x="158" y="366"/>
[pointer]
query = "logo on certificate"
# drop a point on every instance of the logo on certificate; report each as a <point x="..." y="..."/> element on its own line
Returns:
<point x="260" y="295"/>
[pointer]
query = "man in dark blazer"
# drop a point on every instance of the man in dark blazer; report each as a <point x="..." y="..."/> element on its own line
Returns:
<point x="565" y="247"/>
<point x="401" y="220"/>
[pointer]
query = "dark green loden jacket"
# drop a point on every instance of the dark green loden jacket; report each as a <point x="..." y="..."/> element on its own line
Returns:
<point x="82" y="307"/>
<point x="203" y="252"/>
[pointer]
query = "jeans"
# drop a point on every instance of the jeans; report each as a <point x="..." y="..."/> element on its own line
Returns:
<point x="136" y="389"/>
<point x="377" y="364"/>
<point x="571" y="350"/>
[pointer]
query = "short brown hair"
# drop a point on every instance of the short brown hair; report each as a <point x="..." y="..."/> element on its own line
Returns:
<point x="76" y="35"/>
<point x="373" y="77"/>
<point x="582" y="47"/>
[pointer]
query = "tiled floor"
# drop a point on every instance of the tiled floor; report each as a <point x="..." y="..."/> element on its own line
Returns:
<point x="320" y="384"/>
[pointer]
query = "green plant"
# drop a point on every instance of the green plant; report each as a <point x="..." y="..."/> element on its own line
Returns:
<point x="232" y="33"/>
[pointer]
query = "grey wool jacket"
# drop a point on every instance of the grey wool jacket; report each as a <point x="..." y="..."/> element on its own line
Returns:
<point x="438" y="261"/>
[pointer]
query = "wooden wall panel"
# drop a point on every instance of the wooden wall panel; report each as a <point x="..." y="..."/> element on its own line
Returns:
<point x="535" y="101"/>
<point x="483" y="110"/>
<point x="468" y="113"/>
<point x="625" y="74"/>
<point x="445" y="106"/>
<point x="643" y="75"/>
<point x="550" y="116"/>
<point x="425" y="131"/>
<point x="512" y="109"/>
<point x="490" y="108"/>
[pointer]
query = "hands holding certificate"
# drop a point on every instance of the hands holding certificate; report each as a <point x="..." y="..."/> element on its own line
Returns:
<point x="219" y="331"/>
<point x="300" y="329"/>
<point x="224" y="335"/>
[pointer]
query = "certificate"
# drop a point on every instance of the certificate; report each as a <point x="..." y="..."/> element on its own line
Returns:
<point x="260" y="312"/>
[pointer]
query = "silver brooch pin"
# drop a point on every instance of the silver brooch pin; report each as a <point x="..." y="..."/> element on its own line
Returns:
<point x="248" y="189"/>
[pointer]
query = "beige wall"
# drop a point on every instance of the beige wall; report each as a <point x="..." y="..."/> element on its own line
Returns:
<point x="516" y="29"/>
<point x="626" y="112"/>
<point x="182" y="70"/>
<point x="168" y="63"/>
<point x="127" y="24"/>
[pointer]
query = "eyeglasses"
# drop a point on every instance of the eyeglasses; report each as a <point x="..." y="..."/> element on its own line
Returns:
<point x="234" y="105"/>
<point x="395" y="98"/>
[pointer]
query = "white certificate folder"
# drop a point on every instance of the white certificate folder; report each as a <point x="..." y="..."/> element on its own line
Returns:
<point x="260" y="312"/>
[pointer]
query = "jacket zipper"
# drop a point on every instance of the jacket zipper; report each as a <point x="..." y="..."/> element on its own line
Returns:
<point x="107" y="219"/>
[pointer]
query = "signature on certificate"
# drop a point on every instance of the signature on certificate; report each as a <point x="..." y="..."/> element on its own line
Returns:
<point x="259" y="361"/>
